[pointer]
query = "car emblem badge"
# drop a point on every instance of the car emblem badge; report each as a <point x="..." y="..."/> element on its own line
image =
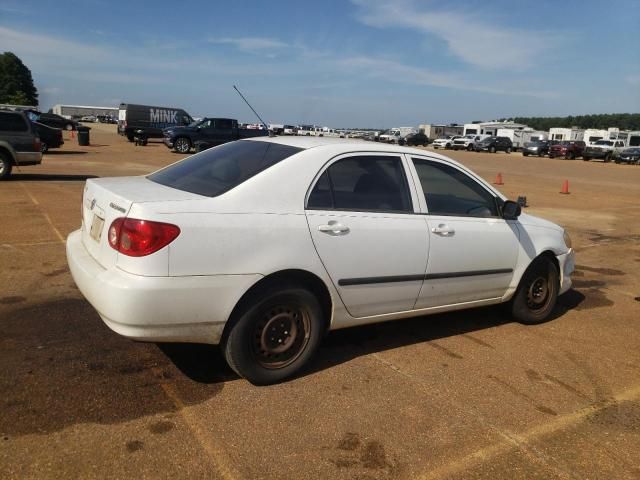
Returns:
<point x="93" y="203"/>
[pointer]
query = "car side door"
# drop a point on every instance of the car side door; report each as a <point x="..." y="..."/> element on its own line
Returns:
<point x="369" y="237"/>
<point x="472" y="249"/>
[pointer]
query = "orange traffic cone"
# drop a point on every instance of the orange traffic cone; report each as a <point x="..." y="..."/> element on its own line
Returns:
<point x="565" y="187"/>
<point x="498" y="180"/>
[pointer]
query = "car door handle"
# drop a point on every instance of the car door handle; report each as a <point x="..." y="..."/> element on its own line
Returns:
<point x="334" y="228"/>
<point x="443" y="230"/>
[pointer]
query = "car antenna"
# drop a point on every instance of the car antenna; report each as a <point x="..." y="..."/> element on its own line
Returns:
<point x="252" y="109"/>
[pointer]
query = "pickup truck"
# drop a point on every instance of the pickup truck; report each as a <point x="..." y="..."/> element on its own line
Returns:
<point x="468" y="142"/>
<point x="208" y="132"/>
<point x="19" y="144"/>
<point x="445" y="142"/>
<point x="604" y="149"/>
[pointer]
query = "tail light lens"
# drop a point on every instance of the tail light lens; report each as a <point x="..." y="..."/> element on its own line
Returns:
<point x="137" y="238"/>
<point x="37" y="145"/>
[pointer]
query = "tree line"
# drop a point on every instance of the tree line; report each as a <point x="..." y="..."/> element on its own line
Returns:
<point x="623" y="121"/>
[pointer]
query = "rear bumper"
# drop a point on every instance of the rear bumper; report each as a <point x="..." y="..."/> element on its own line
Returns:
<point x="28" y="158"/>
<point x="158" y="309"/>
<point x="597" y="153"/>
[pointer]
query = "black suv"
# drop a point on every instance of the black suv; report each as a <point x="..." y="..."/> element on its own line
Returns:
<point x="494" y="144"/>
<point x="539" y="148"/>
<point x="415" y="139"/>
<point x="19" y="144"/>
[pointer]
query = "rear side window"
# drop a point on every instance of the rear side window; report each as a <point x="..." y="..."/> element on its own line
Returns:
<point x="363" y="183"/>
<point x="217" y="170"/>
<point x="12" y="122"/>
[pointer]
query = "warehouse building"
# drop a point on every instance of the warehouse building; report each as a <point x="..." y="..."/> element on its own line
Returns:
<point x="78" y="111"/>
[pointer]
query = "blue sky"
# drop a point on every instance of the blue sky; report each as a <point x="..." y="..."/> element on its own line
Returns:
<point x="365" y="63"/>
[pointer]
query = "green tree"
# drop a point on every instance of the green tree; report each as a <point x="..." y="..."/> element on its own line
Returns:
<point x="16" y="82"/>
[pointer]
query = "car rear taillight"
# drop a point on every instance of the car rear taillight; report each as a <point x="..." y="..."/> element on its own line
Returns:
<point x="137" y="238"/>
<point x="37" y="145"/>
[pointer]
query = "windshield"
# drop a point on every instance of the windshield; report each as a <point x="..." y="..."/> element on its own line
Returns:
<point x="217" y="170"/>
<point x="488" y="140"/>
<point x="608" y="143"/>
<point x="632" y="151"/>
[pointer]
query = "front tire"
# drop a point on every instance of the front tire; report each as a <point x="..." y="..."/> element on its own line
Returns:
<point x="44" y="148"/>
<point x="275" y="336"/>
<point x="182" y="145"/>
<point x="508" y="150"/>
<point x="5" y="166"/>
<point x="492" y="149"/>
<point x="570" y="156"/>
<point x="537" y="293"/>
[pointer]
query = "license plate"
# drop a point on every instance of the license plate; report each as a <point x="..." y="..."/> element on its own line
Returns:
<point x="96" y="227"/>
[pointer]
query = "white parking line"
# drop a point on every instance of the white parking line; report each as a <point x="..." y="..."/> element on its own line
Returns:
<point x="44" y="214"/>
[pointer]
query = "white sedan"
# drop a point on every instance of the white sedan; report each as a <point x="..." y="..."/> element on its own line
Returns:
<point x="263" y="245"/>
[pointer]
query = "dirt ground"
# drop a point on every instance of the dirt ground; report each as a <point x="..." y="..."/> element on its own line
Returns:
<point x="463" y="395"/>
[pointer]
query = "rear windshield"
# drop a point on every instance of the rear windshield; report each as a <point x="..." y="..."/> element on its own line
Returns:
<point x="217" y="170"/>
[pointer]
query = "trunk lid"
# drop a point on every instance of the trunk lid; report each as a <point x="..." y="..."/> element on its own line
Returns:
<point x="105" y="199"/>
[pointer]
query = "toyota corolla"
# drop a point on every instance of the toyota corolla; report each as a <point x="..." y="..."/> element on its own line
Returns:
<point x="264" y="245"/>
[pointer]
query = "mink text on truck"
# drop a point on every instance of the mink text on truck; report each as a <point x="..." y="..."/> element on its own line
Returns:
<point x="152" y="120"/>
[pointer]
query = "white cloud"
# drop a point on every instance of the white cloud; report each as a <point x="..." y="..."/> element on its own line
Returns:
<point x="633" y="80"/>
<point x="473" y="40"/>
<point x="399" y="72"/>
<point x="250" y="43"/>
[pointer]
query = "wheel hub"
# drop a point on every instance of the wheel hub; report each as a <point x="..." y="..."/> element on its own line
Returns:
<point x="538" y="292"/>
<point x="281" y="334"/>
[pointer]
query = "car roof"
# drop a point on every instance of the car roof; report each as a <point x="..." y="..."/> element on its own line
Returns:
<point x="349" y="144"/>
<point x="346" y="145"/>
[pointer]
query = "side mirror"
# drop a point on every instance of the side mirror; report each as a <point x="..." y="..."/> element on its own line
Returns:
<point x="511" y="210"/>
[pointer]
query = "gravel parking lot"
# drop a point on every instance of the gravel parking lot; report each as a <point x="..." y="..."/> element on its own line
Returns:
<point x="463" y="395"/>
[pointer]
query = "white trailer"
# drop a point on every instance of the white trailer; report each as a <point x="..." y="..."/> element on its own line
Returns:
<point x="592" y="135"/>
<point x="491" y="128"/>
<point x="557" y="133"/>
<point x="633" y="140"/>
<point x="518" y="137"/>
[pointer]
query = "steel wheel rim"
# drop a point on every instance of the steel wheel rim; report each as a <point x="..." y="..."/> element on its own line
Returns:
<point x="538" y="293"/>
<point x="181" y="145"/>
<point x="2" y="167"/>
<point x="280" y="336"/>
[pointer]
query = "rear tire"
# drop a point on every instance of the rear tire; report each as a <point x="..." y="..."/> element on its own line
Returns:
<point x="275" y="336"/>
<point x="570" y="156"/>
<point x="5" y="166"/>
<point x="508" y="150"/>
<point x="537" y="293"/>
<point x="182" y="145"/>
<point x="585" y="158"/>
<point x="68" y="126"/>
<point x="44" y="148"/>
<point x="525" y="154"/>
<point x="492" y="149"/>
